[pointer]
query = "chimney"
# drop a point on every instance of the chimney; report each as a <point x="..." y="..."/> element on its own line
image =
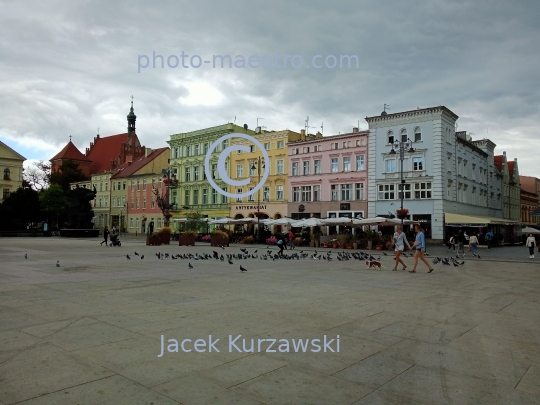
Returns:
<point x="355" y="129"/>
<point x="147" y="151"/>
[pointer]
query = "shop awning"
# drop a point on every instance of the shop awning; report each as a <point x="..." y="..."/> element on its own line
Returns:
<point x="475" y="220"/>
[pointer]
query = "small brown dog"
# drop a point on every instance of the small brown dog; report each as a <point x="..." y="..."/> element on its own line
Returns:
<point x="374" y="264"/>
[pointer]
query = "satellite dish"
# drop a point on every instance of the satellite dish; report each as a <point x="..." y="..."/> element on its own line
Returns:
<point x="245" y="126"/>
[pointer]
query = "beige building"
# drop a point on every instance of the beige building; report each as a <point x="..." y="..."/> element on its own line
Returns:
<point x="101" y="204"/>
<point x="11" y="164"/>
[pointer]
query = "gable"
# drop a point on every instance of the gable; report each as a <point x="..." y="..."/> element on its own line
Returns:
<point x="7" y="153"/>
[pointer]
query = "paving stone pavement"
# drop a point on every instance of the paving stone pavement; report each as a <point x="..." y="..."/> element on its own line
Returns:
<point x="90" y="331"/>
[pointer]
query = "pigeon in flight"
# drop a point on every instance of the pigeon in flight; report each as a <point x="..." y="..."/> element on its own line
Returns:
<point x="242" y="269"/>
<point x="127" y="256"/>
<point x="190" y="266"/>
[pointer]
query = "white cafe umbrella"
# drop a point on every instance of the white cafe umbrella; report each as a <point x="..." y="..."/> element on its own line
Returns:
<point x="530" y="230"/>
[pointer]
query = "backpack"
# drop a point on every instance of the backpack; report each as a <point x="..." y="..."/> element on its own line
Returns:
<point x="487" y="237"/>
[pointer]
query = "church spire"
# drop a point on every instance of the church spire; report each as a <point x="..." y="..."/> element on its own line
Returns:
<point x="131" y="118"/>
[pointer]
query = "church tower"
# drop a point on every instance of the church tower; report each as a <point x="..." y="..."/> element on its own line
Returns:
<point x="131" y="118"/>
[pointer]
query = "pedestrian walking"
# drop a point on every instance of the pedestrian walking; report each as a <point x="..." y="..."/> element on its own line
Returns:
<point x="467" y="240"/>
<point x="473" y="243"/>
<point x="291" y="239"/>
<point x="531" y="242"/>
<point x="488" y="238"/>
<point x="105" y="236"/>
<point x="460" y="239"/>
<point x="281" y="246"/>
<point x="451" y="243"/>
<point x="400" y="240"/>
<point x="420" y="246"/>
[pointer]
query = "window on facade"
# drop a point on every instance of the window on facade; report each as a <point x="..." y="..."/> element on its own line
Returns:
<point x="224" y="197"/>
<point x="123" y="201"/>
<point x="387" y="192"/>
<point x="295" y="169"/>
<point x="306" y="193"/>
<point x="360" y="161"/>
<point x="346" y="192"/>
<point x="390" y="137"/>
<point x="280" y="144"/>
<point x="239" y="191"/>
<point x="266" y="193"/>
<point x="279" y="192"/>
<point x="334" y="192"/>
<point x="406" y="191"/>
<point x="144" y="203"/>
<point x="296" y="194"/>
<point x="317" y="166"/>
<point x="188" y="150"/>
<point x="390" y="166"/>
<point x="359" y="191"/>
<point x="316" y="193"/>
<point x="7" y="174"/>
<point x="214" y="196"/>
<point x="138" y="185"/>
<point x="422" y="190"/>
<point x="144" y="184"/>
<point x="306" y="149"/>
<point x="346" y="164"/>
<point x="206" y="146"/>
<point x="267" y="146"/>
<point x="335" y="145"/>
<point x="114" y="202"/>
<point x="306" y="167"/>
<point x="137" y="222"/>
<point x="418" y="163"/>
<point x="195" y="197"/>
<point x="473" y="172"/>
<point x="138" y="202"/>
<point x="205" y="196"/>
<point x="251" y="197"/>
<point x="187" y="198"/>
<point x="159" y="222"/>
<point x="417" y="134"/>
<point x="114" y="186"/>
<point x="196" y="151"/>
<point x="280" y="167"/>
<point x="404" y="136"/>
<point x="296" y="151"/>
<point x="132" y="202"/>
<point x="187" y="174"/>
<point x="335" y="166"/>
<point x="252" y="170"/>
<point x="465" y="168"/>
<point x="196" y="173"/>
<point x="239" y="171"/>
<point x="131" y="222"/>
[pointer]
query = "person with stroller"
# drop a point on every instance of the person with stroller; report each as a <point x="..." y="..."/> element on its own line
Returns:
<point x="105" y="236"/>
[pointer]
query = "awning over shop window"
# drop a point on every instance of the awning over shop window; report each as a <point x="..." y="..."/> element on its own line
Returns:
<point x="459" y="220"/>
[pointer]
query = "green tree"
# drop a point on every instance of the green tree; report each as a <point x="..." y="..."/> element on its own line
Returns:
<point x="69" y="173"/>
<point x="194" y="222"/>
<point x="20" y="210"/>
<point x="53" y="200"/>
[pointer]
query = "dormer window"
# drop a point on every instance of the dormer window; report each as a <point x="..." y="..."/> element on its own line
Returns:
<point x="7" y="174"/>
<point x="390" y="137"/>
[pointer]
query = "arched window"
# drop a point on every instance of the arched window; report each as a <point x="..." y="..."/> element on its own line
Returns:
<point x="404" y="136"/>
<point x="390" y="137"/>
<point x="417" y="134"/>
<point x="7" y="174"/>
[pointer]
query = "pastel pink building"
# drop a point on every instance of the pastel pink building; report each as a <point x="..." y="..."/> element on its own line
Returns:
<point x="328" y="176"/>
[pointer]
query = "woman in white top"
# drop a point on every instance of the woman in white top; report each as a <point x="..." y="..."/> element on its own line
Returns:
<point x="531" y="242"/>
<point x="400" y="240"/>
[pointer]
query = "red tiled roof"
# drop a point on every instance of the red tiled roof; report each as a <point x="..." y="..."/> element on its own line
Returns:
<point x="138" y="164"/>
<point x="104" y="150"/>
<point x="498" y="161"/>
<point x="511" y="168"/>
<point x="70" y="151"/>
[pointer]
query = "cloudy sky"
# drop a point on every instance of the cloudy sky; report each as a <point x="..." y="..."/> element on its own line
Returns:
<point x="69" y="67"/>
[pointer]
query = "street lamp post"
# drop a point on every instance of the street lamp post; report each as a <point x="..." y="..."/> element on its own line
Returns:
<point x="402" y="145"/>
<point x="259" y="161"/>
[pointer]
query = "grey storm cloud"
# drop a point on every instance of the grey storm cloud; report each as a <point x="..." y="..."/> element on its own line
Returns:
<point x="69" y="67"/>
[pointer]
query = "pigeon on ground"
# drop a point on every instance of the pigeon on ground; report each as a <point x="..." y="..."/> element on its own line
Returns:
<point x="242" y="269"/>
<point x="384" y="253"/>
<point x="136" y="254"/>
<point x="25" y="256"/>
<point x="479" y="256"/>
<point x="127" y="256"/>
<point x="190" y="266"/>
<point x="230" y="261"/>
<point x="58" y="263"/>
<point x="223" y="247"/>
<point x="142" y="257"/>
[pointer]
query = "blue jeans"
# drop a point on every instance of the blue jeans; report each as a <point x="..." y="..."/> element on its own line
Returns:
<point x="474" y="247"/>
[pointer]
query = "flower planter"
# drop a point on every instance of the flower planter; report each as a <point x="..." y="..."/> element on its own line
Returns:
<point x="402" y="216"/>
<point x="187" y="240"/>
<point x="218" y="240"/>
<point x="370" y="244"/>
<point x="355" y="245"/>
<point x="153" y="241"/>
<point x="335" y="246"/>
<point x="378" y="248"/>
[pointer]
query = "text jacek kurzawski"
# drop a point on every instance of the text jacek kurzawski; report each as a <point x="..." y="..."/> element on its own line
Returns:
<point x="237" y="344"/>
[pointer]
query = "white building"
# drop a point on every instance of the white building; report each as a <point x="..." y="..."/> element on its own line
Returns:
<point x="446" y="172"/>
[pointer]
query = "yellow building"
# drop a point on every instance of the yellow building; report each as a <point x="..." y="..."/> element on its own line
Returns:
<point x="271" y="199"/>
<point x="101" y="203"/>
<point x="11" y="164"/>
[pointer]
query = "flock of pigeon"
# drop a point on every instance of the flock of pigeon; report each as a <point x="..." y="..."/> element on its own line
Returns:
<point x="272" y="255"/>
